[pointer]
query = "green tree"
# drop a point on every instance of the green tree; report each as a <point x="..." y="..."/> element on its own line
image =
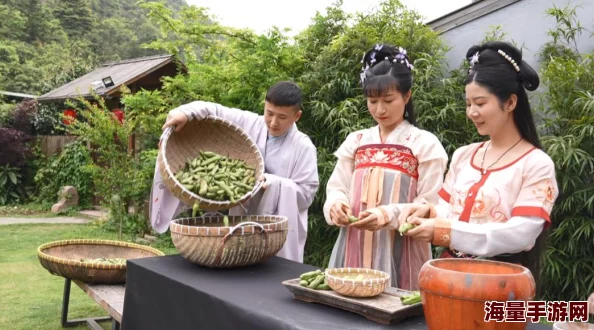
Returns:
<point x="76" y="17"/>
<point x="12" y="23"/>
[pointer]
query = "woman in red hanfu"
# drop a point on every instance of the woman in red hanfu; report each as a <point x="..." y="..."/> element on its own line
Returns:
<point x="498" y="195"/>
<point x="380" y="170"/>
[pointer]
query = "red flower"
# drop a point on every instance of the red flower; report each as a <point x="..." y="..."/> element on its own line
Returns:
<point x="70" y="113"/>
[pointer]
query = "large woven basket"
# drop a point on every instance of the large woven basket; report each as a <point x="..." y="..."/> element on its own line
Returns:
<point x="246" y="241"/>
<point x="344" y="281"/>
<point x="210" y="134"/>
<point x="62" y="258"/>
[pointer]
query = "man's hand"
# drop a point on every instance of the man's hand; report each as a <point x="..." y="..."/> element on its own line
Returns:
<point x="263" y="180"/>
<point x="175" y="118"/>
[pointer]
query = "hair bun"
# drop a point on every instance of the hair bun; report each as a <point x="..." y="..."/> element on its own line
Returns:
<point x="498" y="50"/>
<point x="382" y="52"/>
<point x="528" y="76"/>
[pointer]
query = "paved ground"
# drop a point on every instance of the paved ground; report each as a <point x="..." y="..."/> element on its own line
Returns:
<point x="11" y="221"/>
<point x="91" y="214"/>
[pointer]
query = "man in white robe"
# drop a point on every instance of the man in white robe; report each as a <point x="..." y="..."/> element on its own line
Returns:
<point x="291" y="172"/>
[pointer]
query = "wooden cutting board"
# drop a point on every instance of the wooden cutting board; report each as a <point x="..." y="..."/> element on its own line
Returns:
<point x="385" y="308"/>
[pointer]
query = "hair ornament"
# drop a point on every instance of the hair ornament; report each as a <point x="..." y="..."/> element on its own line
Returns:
<point x="510" y="60"/>
<point x="474" y="59"/>
<point x="369" y="58"/>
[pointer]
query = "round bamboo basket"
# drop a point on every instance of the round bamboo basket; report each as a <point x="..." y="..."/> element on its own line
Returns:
<point x="210" y="134"/>
<point x="62" y="258"/>
<point x="343" y="281"/>
<point x="246" y="241"/>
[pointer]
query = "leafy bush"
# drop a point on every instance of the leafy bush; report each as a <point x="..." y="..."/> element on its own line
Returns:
<point x="12" y="189"/>
<point x="6" y="110"/>
<point x="569" y="127"/>
<point x="15" y="147"/>
<point x="15" y="133"/>
<point x="23" y="115"/>
<point x="69" y="168"/>
<point x="118" y="177"/>
<point x="47" y="121"/>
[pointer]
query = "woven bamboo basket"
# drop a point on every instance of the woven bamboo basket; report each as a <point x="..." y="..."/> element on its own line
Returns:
<point x="210" y="134"/>
<point x="62" y="258"/>
<point x="246" y="241"/>
<point x="344" y="281"/>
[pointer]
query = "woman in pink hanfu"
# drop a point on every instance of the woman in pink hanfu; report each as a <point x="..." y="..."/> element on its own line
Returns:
<point x="380" y="170"/>
<point x="498" y="195"/>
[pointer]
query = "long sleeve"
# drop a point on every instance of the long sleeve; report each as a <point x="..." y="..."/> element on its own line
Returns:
<point x="490" y="239"/>
<point x="164" y="206"/>
<point x="443" y="209"/>
<point x="202" y="109"/>
<point x="339" y="184"/>
<point x="304" y="180"/>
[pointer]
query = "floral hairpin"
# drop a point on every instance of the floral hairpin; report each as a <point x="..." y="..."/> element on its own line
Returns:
<point x="400" y="57"/>
<point x="474" y="59"/>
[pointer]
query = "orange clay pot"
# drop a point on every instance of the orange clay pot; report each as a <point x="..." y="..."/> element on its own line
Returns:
<point x="454" y="292"/>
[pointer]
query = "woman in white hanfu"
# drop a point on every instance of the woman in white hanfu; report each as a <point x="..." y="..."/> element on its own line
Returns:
<point x="381" y="169"/>
<point x="498" y="195"/>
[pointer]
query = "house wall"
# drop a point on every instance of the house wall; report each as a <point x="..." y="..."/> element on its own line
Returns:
<point x="525" y="22"/>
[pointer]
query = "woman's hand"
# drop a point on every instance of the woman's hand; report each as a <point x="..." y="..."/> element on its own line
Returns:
<point x="369" y="221"/>
<point x="414" y="210"/>
<point x="339" y="214"/>
<point x="423" y="229"/>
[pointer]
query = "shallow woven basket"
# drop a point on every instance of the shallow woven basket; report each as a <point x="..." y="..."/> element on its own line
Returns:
<point x="62" y="258"/>
<point x="248" y="240"/>
<point x="210" y="134"/>
<point x="373" y="283"/>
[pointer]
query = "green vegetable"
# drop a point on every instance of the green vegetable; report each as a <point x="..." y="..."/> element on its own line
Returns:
<point x="226" y="221"/>
<point x="411" y="299"/>
<point x="306" y="276"/>
<point x="319" y="279"/>
<point x="315" y="279"/>
<point x="323" y="286"/>
<point x="217" y="177"/>
<point x="405" y="227"/>
<point x="195" y="209"/>
<point x="353" y="219"/>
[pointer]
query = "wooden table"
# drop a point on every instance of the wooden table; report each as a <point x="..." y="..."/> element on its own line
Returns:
<point x="109" y="297"/>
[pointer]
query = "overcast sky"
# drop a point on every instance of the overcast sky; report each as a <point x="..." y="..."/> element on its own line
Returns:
<point x="261" y="15"/>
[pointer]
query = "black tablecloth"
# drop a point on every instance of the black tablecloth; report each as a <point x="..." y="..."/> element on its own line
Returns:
<point x="170" y="293"/>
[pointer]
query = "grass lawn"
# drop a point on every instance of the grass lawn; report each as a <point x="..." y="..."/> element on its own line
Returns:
<point x="31" y="297"/>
